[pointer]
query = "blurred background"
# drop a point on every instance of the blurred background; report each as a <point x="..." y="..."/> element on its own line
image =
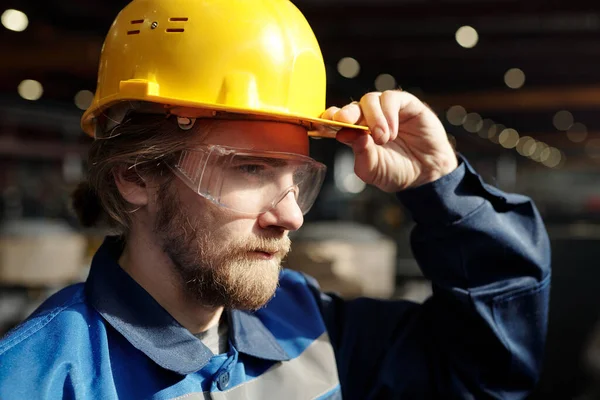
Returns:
<point x="516" y="83"/>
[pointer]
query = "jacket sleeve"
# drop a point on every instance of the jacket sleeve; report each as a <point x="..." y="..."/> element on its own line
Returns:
<point x="481" y="334"/>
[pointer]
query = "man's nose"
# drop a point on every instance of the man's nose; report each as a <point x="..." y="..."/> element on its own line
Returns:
<point x="286" y="214"/>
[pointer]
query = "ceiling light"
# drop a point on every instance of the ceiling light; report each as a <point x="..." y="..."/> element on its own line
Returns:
<point x="83" y="99"/>
<point x="551" y="157"/>
<point x="526" y="146"/>
<point x="30" y="89"/>
<point x="508" y="138"/>
<point x="592" y="148"/>
<point x="385" y="82"/>
<point x="343" y="173"/>
<point x="456" y="115"/>
<point x="472" y="123"/>
<point x="539" y="149"/>
<point x="494" y="132"/>
<point x="484" y="130"/>
<point x="348" y="67"/>
<point x="14" y="20"/>
<point x="577" y="133"/>
<point x="467" y="37"/>
<point x="563" y="120"/>
<point x="514" y="78"/>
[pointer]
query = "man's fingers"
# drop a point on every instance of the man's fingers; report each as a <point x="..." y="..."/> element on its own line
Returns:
<point x="350" y="114"/>
<point x="348" y="136"/>
<point x="329" y="113"/>
<point x="375" y="118"/>
<point x="391" y="101"/>
<point x="363" y="147"/>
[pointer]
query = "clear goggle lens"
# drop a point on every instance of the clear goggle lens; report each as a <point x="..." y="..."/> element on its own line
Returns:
<point x="248" y="181"/>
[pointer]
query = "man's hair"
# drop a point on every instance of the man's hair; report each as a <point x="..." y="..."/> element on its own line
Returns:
<point x="138" y="149"/>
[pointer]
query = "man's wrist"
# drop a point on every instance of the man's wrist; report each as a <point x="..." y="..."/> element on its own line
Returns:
<point x="446" y="199"/>
<point x="444" y="166"/>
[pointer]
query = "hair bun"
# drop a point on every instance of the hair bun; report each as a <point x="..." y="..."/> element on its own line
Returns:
<point x="86" y="205"/>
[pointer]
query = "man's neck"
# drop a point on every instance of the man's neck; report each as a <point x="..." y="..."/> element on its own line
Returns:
<point x="150" y="267"/>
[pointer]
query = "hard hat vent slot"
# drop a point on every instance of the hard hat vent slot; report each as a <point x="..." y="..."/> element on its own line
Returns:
<point x="133" y="32"/>
<point x="177" y="19"/>
<point x="137" y="21"/>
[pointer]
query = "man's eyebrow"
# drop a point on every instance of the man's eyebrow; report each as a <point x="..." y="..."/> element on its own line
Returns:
<point x="273" y="162"/>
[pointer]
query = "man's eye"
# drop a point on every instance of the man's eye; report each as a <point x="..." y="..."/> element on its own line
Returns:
<point x="251" y="169"/>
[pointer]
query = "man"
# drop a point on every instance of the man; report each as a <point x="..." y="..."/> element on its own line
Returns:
<point x="201" y="165"/>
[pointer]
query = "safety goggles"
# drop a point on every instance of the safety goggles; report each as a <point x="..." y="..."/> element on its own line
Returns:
<point x="249" y="181"/>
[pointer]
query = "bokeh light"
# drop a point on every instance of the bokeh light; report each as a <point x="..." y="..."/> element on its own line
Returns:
<point x="30" y="89"/>
<point x="348" y="67"/>
<point x="467" y="37"/>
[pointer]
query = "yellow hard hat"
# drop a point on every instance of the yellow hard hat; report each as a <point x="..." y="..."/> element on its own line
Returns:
<point x="206" y="58"/>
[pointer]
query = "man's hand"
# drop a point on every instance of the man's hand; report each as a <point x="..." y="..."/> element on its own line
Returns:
<point x="407" y="147"/>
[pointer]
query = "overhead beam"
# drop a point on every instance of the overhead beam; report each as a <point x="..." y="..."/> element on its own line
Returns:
<point x="342" y="9"/>
<point x="76" y="55"/>
<point x="40" y="149"/>
<point x="557" y="50"/>
<point x="522" y="100"/>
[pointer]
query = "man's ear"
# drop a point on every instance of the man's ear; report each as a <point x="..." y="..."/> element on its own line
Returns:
<point x="131" y="186"/>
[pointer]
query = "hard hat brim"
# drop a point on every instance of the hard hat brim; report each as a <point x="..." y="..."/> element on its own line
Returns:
<point x="316" y="127"/>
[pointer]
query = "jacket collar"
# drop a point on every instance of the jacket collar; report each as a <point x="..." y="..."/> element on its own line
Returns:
<point x="136" y="315"/>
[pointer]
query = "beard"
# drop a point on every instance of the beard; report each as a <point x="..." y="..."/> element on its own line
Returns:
<point x="216" y="268"/>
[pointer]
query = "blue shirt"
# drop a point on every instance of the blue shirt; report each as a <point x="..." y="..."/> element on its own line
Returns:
<point x="481" y="334"/>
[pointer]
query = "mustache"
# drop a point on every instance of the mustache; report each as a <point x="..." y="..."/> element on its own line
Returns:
<point x="265" y="244"/>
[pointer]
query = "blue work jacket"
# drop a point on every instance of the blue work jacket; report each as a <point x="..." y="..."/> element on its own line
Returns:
<point x="480" y="336"/>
